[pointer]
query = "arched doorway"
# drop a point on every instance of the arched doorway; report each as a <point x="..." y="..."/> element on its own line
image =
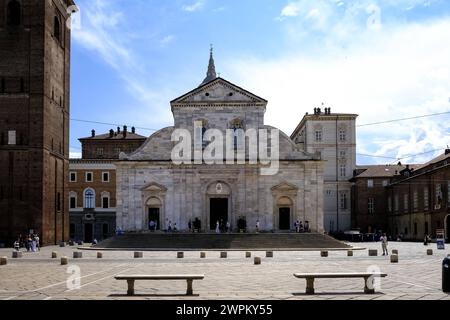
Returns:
<point x="154" y="207"/>
<point x="285" y="209"/>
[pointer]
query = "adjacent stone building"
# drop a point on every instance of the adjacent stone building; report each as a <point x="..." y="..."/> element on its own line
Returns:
<point x="92" y="184"/>
<point x="332" y="136"/>
<point x="151" y="187"/>
<point x="34" y="118"/>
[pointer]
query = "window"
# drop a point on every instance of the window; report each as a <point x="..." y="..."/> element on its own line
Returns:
<point x="406" y="202"/>
<point x="12" y="138"/>
<point x="369" y="183"/>
<point x="371" y="206"/>
<point x="416" y="200"/>
<point x="438" y="198"/>
<point x="105" y="202"/>
<point x="385" y="183"/>
<point x="318" y="135"/>
<point x="343" y="201"/>
<point x="329" y="193"/>
<point x="343" y="170"/>
<point x="105" y="176"/>
<point x="117" y="151"/>
<point x="22" y="85"/>
<point x="396" y="203"/>
<point x="2" y="88"/>
<point x="100" y="152"/>
<point x="342" y="154"/>
<point x="448" y="193"/>
<point x="13" y="13"/>
<point x="57" y="28"/>
<point x="426" y="200"/>
<point x="73" y="201"/>
<point x="73" y="177"/>
<point x="89" y="199"/>
<point x="342" y="135"/>
<point x="390" y="204"/>
<point x="89" y="177"/>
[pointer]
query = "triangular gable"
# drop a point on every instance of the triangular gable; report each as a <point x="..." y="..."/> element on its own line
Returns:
<point x="218" y="90"/>
<point x="284" y="186"/>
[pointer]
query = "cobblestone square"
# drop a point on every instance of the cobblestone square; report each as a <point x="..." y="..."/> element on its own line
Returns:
<point x="37" y="276"/>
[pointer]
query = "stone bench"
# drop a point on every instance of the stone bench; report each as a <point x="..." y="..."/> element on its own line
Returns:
<point x="17" y="254"/>
<point x="310" y="277"/>
<point x="132" y="278"/>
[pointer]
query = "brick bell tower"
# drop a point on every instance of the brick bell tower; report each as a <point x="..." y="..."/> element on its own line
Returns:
<point x="34" y="118"/>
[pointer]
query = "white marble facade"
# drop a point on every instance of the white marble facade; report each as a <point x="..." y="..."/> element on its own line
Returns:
<point x="151" y="186"/>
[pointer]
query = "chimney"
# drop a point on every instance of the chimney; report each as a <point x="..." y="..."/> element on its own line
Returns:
<point x="447" y="151"/>
<point x="125" y="131"/>
<point x="111" y="133"/>
<point x="133" y="130"/>
<point x="118" y="130"/>
<point x="93" y="133"/>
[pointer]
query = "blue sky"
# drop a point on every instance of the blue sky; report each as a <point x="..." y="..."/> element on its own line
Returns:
<point x="381" y="59"/>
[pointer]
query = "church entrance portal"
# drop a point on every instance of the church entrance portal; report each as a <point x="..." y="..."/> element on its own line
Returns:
<point x="218" y="212"/>
<point x="285" y="219"/>
<point x="154" y="215"/>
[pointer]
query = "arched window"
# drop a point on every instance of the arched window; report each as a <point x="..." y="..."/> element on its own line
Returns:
<point x="57" y="29"/>
<point x="89" y="199"/>
<point x="13" y="13"/>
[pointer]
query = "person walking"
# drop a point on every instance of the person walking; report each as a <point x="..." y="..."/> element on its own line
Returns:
<point x="218" y="227"/>
<point x="17" y="245"/>
<point x="257" y="226"/>
<point x="384" y="244"/>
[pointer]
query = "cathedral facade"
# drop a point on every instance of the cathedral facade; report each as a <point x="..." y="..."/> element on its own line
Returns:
<point x="154" y="189"/>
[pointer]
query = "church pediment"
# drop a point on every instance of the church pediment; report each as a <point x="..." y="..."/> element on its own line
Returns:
<point x="154" y="188"/>
<point x="285" y="187"/>
<point x="218" y="91"/>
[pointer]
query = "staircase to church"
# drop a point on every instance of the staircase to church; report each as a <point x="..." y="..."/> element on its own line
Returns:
<point x="203" y="241"/>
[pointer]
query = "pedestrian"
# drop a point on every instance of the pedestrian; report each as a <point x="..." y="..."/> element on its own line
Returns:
<point x="175" y="229"/>
<point x="17" y="245"/>
<point x="190" y="225"/>
<point x="169" y="228"/>
<point x="228" y="226"/>
<point x="36" y="238"/>
<point x="306" y="227"/>
<point x="257" y="226"/>
<point x="218" y="227"/>
<point x="384" y="244"/>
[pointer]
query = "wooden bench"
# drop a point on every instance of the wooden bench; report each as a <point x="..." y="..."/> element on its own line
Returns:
<point x="132" y="278"/>
<point x="310" y="277"/>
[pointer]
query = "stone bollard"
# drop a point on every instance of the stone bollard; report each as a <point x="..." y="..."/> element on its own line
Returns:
<point x="99" y="255"/>
<point x="430" y="252"/>
<point x="269" y="254"/>
<point x="64" y="261"/>
<point x="17" y="254"/>
<point x="62" y="244"/>
<point x="202" y="255"/>
<point x="257" y="260"/>
<point x="180" y="255"/>
<point x="54" y="255"/>
<point x="395" y="251"/>
<point x="394" y="258"/>
<point x="3" y="261"/>
<point x="223" y="255"/>
<point x="373" y="253"/>
<point x="350" y="253"/>
<point x="138" y="255"/>
<point x="324" y="254"/>
<point x="77" y="255"/>
<point x="248" y="254"/>
<point x="71" y="243"/>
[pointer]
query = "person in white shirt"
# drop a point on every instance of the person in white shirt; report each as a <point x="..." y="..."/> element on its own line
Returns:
<point x="384" y="243"/>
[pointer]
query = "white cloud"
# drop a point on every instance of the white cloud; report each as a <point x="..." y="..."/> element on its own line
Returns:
<point x="399" y="72"/>
<point x="167" y="40"/>
<point x="198" y="5"/>
<point x="291" y="10"/>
